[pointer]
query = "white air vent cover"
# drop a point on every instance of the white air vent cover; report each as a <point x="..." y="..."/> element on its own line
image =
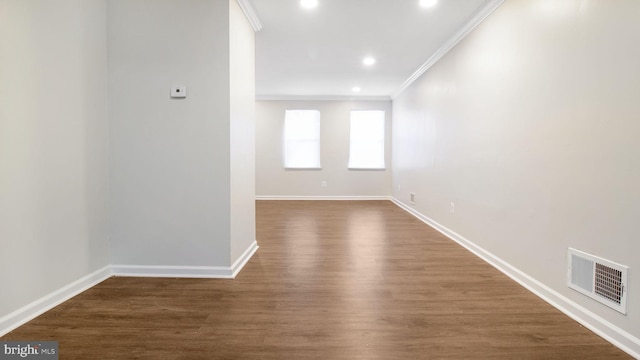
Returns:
<point x="600" y="279"/>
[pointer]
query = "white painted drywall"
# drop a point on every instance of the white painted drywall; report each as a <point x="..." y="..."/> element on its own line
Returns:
<point x="242" y="126"/>
<point x="53" y="146"/>
<point x="170" y="159"/>
<point x="530" y="125"/>
<point x="273" y="180"/>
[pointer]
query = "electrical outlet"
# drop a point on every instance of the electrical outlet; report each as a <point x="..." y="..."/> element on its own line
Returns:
<point x="452" y="208"/>
<point x="412" y="198"/>
<point x="324" y="184"/>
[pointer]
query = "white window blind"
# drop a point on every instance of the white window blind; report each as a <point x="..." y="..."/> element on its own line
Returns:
<point x="366" y="140"/>
<point x="302" y="139"/>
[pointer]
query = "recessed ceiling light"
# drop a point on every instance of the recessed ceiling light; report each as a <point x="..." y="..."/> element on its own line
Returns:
<point x="428" y="3"/>
<point x="356" y="89"/>
<point x="309" y="4"/>
<point x="369" y="61"/>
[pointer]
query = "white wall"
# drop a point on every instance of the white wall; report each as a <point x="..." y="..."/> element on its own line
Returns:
<point x="273" y="180"/>
<point x="242" y="90"/>
<point x="53" y="146"/>
<point x="169" y="158"/>
<point x="530" y="125"/>
<point x="87" y="131"/>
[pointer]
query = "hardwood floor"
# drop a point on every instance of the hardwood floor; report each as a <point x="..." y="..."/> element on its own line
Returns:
<point x="332" y="280"/>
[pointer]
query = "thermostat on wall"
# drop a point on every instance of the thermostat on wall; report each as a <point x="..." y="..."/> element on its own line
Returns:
<point x="178" y="92"/>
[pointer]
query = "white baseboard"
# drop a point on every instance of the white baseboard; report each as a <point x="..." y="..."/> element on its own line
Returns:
<point x="243" y="259"/>
<point x="213" y="272"/>
<point x="615" y="335"/>
<point x="31" y="311"/>
<point x="48" y="302"/>
<point x="331" y="198"/>
<point x="172" y="271"/>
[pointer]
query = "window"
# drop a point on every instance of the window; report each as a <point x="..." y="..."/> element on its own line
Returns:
<point x="366" y="143"/>
<point x="302" y="139"/>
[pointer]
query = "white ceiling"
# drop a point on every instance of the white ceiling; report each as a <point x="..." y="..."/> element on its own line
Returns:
<point x="318" y="53"/>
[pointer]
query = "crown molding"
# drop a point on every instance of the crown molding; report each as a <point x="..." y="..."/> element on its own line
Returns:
<point x="489" y="7"/>
<point x="250" y="13"/>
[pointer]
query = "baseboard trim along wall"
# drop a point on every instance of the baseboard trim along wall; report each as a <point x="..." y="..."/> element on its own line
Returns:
<point x="31" y="311"/>
<point x="330" y="198"/>
<point x="618" y="337"/>
<point x="213" y="272"/>
<point x="239" y="264"/>
<point x="172" y="271"/>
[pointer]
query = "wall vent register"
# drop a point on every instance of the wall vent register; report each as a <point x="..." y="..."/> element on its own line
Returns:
<point x="600" y="279"/>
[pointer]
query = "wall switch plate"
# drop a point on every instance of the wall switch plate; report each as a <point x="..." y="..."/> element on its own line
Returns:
<point x="178" y="92"/>
<point x="324" y="184"/>
<point x="412" y="198"/>
<point x="452" y="207"/>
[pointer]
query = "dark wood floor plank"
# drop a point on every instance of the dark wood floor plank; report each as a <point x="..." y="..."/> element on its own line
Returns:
<point x="332" y="280"/>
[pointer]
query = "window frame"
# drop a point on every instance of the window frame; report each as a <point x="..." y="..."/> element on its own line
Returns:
<point x="288" y="142"/>
<point x="383" y="166"/>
